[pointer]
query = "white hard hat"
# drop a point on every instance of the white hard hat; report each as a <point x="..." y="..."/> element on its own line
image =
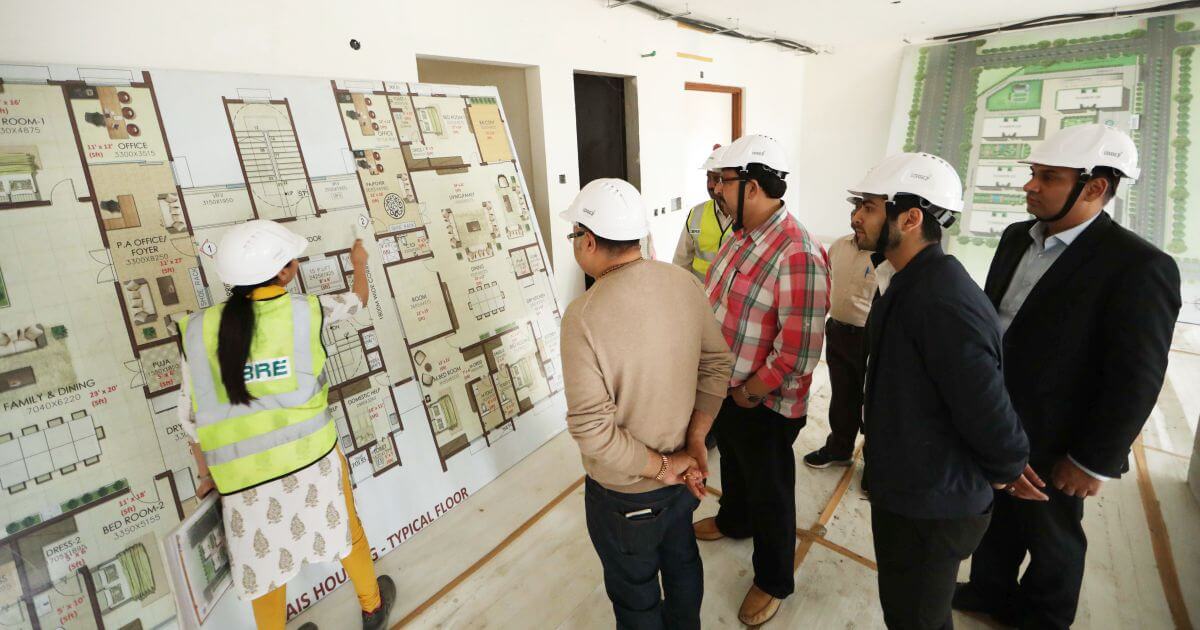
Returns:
<point x="714" y="160"/>
<point x="255" y="251"/>
<point x="610" y="208"/>
<point x="754" y="149"/>
<point x="922" y="174"/>
<point x="1086" y="147"/>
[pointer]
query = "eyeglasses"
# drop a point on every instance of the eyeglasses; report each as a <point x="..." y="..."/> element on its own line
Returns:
<point x="726" y="180"/>
<point x="574" y="235"/>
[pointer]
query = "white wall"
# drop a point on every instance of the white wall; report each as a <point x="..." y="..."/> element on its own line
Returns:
<point x="310" y="37"/>
<point x="848" y="103"/>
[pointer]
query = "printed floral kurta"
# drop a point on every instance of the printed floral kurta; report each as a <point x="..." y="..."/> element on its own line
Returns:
<point x="274" y="529"/>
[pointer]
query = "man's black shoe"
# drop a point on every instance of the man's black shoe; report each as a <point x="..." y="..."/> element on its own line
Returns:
<point x="822" y="458"/>
<point x="969" y="600"/>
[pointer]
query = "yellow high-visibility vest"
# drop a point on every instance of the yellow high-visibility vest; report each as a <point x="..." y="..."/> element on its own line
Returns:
<point x="706" y="234"/>
<point x="287" y="427"/>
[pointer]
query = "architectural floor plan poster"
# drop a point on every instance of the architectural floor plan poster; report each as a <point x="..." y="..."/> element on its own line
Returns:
<point x="983" y="104"/>
<point x="116" y="185"/>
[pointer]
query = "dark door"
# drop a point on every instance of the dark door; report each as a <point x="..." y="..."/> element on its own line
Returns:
<point x="600" y="130"/>
<point x="600" y="127"/>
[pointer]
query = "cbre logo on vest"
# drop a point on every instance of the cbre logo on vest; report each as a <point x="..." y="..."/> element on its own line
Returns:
<point x="268" y="370"/>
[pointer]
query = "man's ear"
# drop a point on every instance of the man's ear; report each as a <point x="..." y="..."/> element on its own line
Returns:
<point x="913" y="217"/>
<point x="1095" y="189"/>
<point x="752" y="188"/>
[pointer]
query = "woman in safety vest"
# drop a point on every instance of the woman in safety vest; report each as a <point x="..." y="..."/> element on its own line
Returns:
<point x="254" y="401"/>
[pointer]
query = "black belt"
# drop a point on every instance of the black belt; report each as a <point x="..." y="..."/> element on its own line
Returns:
<point x="850" y="328"/>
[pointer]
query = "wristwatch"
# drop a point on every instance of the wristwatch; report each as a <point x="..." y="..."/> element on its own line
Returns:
<point x="751" y="397"/>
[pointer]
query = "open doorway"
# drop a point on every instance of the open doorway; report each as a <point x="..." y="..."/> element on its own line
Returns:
<point x="513" y="82"/>
<point x="606" y="130"/>
<point x="712" y="114"/>
<point x="606" y="127"/>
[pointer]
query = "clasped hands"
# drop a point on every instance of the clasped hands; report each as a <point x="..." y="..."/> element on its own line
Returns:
<point x="689" y="467"/>
<point x="1067" y="476"/>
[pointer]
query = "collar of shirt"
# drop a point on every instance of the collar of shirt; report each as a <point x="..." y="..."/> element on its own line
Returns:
<point x="883" y="275"/>
<point x="1038" y="233"/>
<point x="844" y="242"/>
<point x="756" y="235"/>
<point x="883" y="272"/>
<point x="847" y="247"/>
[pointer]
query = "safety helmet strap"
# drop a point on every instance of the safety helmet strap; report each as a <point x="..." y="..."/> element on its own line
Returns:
<point x="1084" y="178"/>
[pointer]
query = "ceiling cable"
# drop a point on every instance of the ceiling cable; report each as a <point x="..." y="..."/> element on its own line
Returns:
<point x="711" y="28"/>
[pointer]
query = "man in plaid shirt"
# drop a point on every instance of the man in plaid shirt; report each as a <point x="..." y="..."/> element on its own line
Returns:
<point x="769" y="288"/>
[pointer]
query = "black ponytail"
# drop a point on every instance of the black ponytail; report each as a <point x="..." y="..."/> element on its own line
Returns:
<point x="233" y="341"/>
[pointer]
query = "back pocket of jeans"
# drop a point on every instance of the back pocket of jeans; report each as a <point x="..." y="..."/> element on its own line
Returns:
<point x="640" y="536"/>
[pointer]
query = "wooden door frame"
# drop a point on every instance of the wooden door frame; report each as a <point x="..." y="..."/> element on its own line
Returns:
<point x="735" y="92"/>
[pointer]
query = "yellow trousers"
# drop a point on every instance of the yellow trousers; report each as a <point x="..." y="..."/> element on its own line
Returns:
<point x="270" y="610"/>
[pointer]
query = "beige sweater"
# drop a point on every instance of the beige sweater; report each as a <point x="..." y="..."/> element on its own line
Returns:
<point x="640" y="349"/>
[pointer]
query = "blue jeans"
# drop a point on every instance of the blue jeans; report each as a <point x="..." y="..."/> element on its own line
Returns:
<point x="635" y="552"/>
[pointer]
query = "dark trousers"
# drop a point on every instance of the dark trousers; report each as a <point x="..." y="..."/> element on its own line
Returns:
<point x="1052" y="533"/>
<point x="758" y="489"/>
<point x="847" y="369"/>
<point x="634" y="553"/>
<point x="918" y="562"/>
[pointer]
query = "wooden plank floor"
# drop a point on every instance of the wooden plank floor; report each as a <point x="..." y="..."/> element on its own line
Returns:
<point x="545" y="573"/>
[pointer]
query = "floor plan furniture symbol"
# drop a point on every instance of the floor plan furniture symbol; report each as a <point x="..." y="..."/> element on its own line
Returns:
<point x="17" y="182"/>
<point x="61" y="446"/>
<point x="393" y="205"/>
<point x="430" y="120"/>
<point x="485" y="300"/>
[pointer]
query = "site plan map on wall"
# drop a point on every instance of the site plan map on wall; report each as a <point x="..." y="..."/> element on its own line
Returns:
<point x="984" y="104"/>
<point x="116" y="185"/>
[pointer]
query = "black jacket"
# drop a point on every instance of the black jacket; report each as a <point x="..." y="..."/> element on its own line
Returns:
<point x="938" y="423"/>
<point x="1085" y="355"/>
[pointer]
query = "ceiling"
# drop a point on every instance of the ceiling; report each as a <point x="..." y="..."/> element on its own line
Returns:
<point x="833" y="24"/>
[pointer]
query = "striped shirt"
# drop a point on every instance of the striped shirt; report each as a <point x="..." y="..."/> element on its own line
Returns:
<point x="769" y="288"/>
